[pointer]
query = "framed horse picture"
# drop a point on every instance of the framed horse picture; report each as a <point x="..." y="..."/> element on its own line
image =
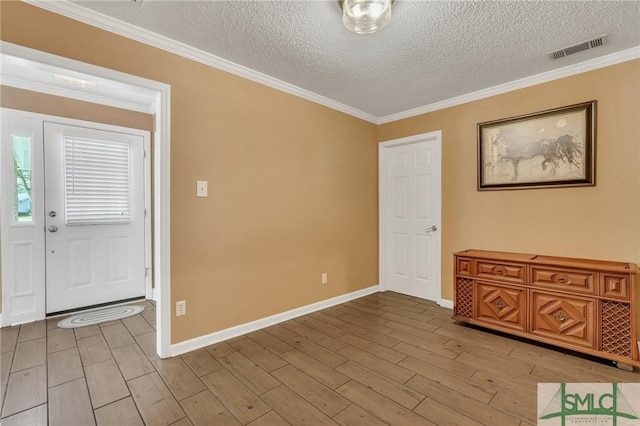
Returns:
<point x="553" y="148"/>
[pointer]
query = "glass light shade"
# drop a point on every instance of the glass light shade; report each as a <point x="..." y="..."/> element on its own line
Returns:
<point x="75" y="82"/>
<point x="366" y="16"/>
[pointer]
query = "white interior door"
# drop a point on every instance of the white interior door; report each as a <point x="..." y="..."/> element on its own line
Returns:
<point x="94" y="216"/>
<point x="411" y="249"/>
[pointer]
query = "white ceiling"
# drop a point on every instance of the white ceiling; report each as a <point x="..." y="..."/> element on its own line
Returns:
<point x="430" y="52"/>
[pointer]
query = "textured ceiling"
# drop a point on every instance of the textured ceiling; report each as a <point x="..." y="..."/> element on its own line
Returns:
<point x="430" y="52"/>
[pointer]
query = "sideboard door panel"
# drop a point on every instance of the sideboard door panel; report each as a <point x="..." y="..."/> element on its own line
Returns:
<point x="502" y="305"/>
<point x="563" y="318"/>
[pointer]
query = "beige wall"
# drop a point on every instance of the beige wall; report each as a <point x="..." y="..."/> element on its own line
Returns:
<point x="601" y="222"/>
<point x="292" y="184"/>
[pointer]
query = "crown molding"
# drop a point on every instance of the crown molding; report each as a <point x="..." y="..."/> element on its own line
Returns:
<point x="90" y="17"/>
<point x="95" y="19"/>
<point x="590" y="65"/>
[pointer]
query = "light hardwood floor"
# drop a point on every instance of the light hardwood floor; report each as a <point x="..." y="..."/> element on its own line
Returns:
<point x="382" y="359"/>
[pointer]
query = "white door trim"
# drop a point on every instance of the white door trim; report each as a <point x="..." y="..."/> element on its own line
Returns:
<point x="383" y="148"/>
<point x="161" y="176"/>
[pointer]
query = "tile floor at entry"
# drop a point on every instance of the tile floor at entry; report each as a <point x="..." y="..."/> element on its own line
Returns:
<point x="382" y="359"/>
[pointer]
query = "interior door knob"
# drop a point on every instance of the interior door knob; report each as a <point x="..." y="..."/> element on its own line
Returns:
<point x="53" y="228"/>
<point x="431" y="229"/>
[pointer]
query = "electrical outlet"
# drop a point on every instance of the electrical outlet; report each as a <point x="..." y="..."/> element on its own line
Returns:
<point x="181" y="308"/>
<point x="324" y="278"/>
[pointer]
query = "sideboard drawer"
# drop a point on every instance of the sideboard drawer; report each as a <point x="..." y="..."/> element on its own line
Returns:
<point x="464" y="266"/>
<point x="614" y="286"/>
<point x="564" y="279"/>
<point x="496" y="271"/>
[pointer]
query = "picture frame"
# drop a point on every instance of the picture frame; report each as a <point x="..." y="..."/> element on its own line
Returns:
<point x="552" y="148"/>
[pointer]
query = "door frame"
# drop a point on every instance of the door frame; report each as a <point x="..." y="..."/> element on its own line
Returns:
<point x="160" y="213"/>
<point x="383" y="194"/>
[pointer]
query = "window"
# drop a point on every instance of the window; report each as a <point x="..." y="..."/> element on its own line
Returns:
<point x="97" y="188"/>
<point x="22" y="205"/>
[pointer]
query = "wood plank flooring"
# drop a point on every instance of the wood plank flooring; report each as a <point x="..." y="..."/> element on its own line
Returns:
<point x="382" y="359"/>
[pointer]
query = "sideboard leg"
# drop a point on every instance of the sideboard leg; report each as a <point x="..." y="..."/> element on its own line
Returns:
<point x="623" y="366"/>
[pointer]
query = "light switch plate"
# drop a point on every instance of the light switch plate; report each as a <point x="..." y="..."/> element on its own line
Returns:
<point x="181" y="308"/>
<point x="201" y="188"/>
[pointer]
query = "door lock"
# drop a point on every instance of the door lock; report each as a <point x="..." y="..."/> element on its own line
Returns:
<point x="52" y="213"/>
<point x="53" y="228"/>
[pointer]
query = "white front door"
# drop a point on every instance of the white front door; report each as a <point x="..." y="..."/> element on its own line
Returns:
<point x="94" y="216"/>
<point x="411" y="211"/>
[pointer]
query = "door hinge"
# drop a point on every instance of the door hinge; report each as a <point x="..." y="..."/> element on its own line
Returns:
<point x="146" y="272"/>
<point x="144" y="153"/>
<point x="145" y="212"/>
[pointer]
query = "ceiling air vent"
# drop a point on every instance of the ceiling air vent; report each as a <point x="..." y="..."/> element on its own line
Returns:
<point x="585" y="45"/>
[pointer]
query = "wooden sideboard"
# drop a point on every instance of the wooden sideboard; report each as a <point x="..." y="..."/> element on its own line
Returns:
<point x="588" y="306"/>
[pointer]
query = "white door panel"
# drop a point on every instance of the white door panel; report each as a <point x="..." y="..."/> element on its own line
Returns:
<point x="94" y="216"/>
<point x="412" y="218"/>
<point x="400" y="251"/>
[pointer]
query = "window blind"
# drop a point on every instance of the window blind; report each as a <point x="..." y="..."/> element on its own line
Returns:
<point x="97" y="187"/>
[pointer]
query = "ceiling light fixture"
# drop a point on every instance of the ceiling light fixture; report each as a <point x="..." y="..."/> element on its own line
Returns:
<point x="75" y="82"/>
<point x="365" y="16"/>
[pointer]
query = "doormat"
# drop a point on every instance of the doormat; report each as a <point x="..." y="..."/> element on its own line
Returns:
<point x="102" y="315"/>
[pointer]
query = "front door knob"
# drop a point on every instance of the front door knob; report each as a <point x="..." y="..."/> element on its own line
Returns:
<point x="53" y="228"/>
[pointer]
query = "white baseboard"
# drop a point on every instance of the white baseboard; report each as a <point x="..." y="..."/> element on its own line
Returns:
<point x="154" y="294"/>
<point x="446" y="303"/>
<point x="239" y="330"/>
